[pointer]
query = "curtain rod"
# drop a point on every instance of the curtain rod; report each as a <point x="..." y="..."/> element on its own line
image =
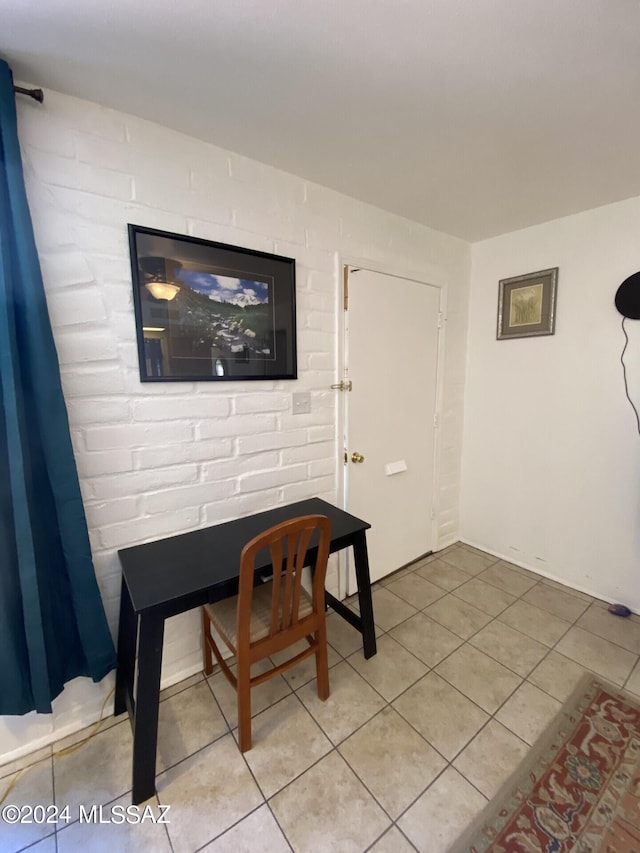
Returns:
<point x="36" y="94"/>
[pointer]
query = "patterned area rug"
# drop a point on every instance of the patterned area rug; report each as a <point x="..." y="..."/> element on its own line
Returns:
<point x="579" y="787"/>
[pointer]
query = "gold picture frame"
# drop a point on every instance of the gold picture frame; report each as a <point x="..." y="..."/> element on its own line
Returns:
<point x="527" y="305"/>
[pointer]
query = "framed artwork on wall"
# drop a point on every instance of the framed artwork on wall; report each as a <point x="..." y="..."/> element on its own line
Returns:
<point x="211" y="311"/>
<point x="527" y="304"/>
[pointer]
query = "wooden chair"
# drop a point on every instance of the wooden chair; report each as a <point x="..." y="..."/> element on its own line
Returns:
<point x="265" y="619"/>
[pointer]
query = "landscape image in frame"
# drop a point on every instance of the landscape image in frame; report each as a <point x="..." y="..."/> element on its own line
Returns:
<point x="211" y="311"/>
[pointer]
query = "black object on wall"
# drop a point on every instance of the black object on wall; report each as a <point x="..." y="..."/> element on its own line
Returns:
<point x="628" y="304"/>
<point x="628" y="297"/>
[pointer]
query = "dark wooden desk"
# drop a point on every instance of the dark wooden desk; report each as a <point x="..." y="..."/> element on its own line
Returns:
<point x="169" y="576"/>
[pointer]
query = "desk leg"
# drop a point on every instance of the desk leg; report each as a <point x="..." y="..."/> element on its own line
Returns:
<point x="127" y="630"/>
<point x="145" y="719"/>
<point x="363" y="578"/>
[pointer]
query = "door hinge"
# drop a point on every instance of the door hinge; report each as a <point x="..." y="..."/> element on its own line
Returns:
<point x="436" y="420"/>
<point x="440" y="319"/>
<point x="343" y="385"/>
<point x="345" y="288"/>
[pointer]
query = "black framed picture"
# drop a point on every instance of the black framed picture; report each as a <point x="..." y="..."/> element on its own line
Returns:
<point x="211" y="311"/>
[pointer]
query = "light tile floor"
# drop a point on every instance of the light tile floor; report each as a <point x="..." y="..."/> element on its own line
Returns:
<point x="475" y="656"/>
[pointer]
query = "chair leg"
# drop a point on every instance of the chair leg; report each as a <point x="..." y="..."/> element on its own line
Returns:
<point x="322" y="663"/>
<point x="207" y="659"/>
<point x="244" y="705"/>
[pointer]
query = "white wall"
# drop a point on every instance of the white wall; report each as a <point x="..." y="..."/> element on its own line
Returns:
<point x="159" y="459"/>
<point x="551" y="462"/>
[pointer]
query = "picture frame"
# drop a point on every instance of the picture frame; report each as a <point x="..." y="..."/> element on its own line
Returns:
<point x="527" y="305"/>
<point x="207" y="311"/>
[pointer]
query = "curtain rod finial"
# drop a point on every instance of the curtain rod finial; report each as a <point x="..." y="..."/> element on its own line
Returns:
<point x="36" y="94"/>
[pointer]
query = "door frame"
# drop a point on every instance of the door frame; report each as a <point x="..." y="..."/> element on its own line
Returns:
<point x="351" y="261"/>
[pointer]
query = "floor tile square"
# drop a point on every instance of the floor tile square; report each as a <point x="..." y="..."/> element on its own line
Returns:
<point x="440" y="815"/>
<point x="208" y="793"/>
<point x="458" y="616"/>
<point x="286" y="741"/>
<point x="417" y="591"/>
<point x="607" y="659"/>
<point x="557" y="675"/>
<point x="328" y="808"/>
<point x="442" y="715"/>
<point x="104" y="764"/>
<point x="426" y="639"/>
<point x="256" y="833"/>
<point x="576" y="593"/>
<point x="527" y="573"/>
<point x="392" y="759"/>
<point x="485" y="681"/>
<point x="391" y="670"/>
<point x="515" y="650"/>
<point x="535" y="623"/>
<point x="471" y="562"/>
<point x="555" y="601"/>
<point x="623" y="631"/>
<point x="389" y="609"/>
<point x="507" y="578"/>
<point x="351" y="703"/>
<point x="188" y="720"/>
<point x="443" y="574"/>
<point x="484" y="596"/>
<point x="491" y="757"/>
<point x="528" y="712"/>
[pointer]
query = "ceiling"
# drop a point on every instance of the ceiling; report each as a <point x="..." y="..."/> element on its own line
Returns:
<point x="475" y="117"/>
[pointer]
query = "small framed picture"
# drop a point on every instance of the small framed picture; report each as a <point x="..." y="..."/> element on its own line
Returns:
<point x="211" y="311"/>
<point x="527" y="304"/>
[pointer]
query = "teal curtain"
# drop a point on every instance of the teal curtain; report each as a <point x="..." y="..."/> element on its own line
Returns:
<point x="52" y="622"/>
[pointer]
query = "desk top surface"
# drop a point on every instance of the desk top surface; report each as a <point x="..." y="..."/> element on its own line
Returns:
<point x="168" y="569"/>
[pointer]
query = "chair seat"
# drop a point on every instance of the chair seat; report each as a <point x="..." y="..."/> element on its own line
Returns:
<point x="224" y="614"/>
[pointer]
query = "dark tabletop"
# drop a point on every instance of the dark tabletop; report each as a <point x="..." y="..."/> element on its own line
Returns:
<point x="174" y="568"/>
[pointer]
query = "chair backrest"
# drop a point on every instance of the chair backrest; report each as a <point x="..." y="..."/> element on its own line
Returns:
<point x="288" y="544"/>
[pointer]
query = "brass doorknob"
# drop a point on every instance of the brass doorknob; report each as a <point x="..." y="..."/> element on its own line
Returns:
<point x="357" y="457"/>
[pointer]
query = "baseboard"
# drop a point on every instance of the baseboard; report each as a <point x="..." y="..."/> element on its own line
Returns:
<point x="535" y="569"/>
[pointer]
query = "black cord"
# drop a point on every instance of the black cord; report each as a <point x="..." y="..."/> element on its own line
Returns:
<point x="624" y="373"/>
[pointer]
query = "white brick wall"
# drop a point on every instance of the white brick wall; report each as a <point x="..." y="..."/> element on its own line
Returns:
<point x="160" y="458"/>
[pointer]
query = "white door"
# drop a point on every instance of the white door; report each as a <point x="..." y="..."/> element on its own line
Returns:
<point x="391" y="353"/>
